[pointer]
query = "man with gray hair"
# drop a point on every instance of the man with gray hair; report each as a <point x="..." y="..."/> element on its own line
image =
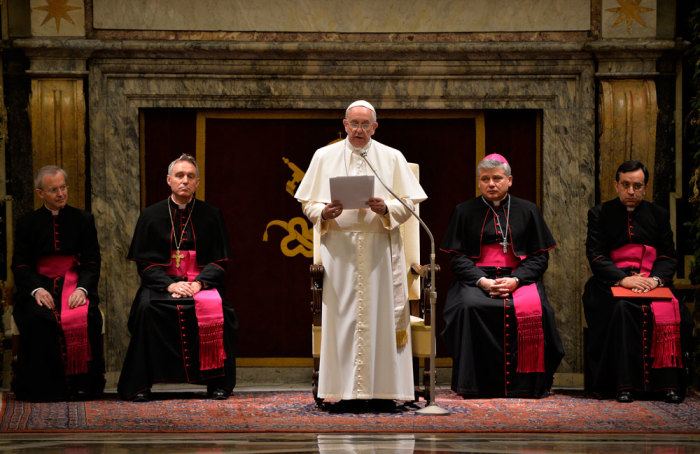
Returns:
<point x="183" y="330"/>
<point x="56" y="264"/>
<point x="499" y="327"/>
<point x="365" y="348"/>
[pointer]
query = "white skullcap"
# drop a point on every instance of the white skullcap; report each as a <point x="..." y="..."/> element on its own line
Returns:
<point x="362" y="103"/>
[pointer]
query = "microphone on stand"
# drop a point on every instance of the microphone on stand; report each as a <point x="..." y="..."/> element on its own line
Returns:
<point x="431" y="408"/>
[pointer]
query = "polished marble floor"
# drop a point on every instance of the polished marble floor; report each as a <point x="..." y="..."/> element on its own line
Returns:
<point x="359" y="443"/>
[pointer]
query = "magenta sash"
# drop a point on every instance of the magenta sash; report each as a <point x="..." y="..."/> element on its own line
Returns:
<point x="528" y="310"/>
<point x="209" y="311"/>
<point x="666" y="341"/>
<point x="73" y="322"/>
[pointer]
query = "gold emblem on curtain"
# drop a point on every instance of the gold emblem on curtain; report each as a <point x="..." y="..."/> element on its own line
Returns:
<point x="299" y="238"/>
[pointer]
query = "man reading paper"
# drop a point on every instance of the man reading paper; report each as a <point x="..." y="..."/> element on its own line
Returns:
<point x="352" y="192"/>
<point x="365" y="348"/>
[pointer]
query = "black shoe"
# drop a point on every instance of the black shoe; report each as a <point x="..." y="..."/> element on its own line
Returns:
<point x="625" y="397"/>
<point x="672" y="397"/>
<point x="143" y="396"/>
<point x="218" y="394"/>
<point x="382" y="406"/>
<point x="347" y="406"/>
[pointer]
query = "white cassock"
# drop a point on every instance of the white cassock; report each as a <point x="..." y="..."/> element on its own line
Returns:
<point x="365" y="345"/>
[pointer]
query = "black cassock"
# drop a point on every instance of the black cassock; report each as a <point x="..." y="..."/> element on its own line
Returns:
<point x="617" y="348"/>
<point x="164" y="330"/>
<point x="480" y="331"/>
<point x="41" y="370"/>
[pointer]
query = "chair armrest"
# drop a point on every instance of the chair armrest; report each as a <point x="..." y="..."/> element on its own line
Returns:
<point x="421" y="270"/>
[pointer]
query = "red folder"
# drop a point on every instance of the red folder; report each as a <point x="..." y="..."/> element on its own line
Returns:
<point x="659" y="293"/>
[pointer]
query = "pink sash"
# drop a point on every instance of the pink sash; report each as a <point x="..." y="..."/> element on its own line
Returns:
<point x="666" y="341"/>
<point x="209" y="311"/>
<point x="528" y="311"/>
<point x="73" y="322"/>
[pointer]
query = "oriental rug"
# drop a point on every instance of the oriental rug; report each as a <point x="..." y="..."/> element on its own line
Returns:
<point x="295" y="411"/>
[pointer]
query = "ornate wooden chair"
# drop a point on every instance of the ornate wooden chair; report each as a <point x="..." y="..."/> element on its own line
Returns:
<point x="419" y="291"/>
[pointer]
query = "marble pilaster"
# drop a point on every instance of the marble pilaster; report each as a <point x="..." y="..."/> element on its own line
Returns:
<point x="57" y="108"/>
<point x="627" y="110"/>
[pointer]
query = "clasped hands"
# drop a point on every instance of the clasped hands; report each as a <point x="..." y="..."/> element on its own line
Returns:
<point x="639" y="283"/>
<point x="335" y="208"/>
<point x="184" y="289"/>
<point x="76" y="299"/>
<point x="498" y="288"/>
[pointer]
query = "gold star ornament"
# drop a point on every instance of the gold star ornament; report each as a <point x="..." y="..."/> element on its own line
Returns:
<point x="57" y="10"/>
<point x="629" y="11"/>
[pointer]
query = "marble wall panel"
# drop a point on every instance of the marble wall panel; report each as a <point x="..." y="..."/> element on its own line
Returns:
<point x="562" y="89"/>
<point x="568" y="192"/>
<point x="342" y="16"/>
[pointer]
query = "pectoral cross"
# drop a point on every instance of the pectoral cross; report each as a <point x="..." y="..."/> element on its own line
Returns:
<point x="505" y="245"/>
<point x="179" y="255"/>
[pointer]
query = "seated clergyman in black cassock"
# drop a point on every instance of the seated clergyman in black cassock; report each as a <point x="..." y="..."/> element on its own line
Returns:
<point x="56" y="264"/>
<point x="182" y="328"/>
<point x="499" y="327"/>
<point x="634" y="341"/>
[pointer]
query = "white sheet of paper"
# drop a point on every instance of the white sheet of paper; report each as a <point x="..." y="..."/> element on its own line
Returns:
<point x="354" y="191"/>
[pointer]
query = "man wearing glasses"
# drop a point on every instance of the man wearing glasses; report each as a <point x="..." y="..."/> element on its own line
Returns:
<point x="365" y="348"/>
<point x="56" y="264"/>
<point x="634" y="329"/>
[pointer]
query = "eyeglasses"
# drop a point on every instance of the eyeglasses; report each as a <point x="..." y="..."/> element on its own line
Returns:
<point x="55" y="190"/>
<point x="636" y="186"/>
<point x="355" y="125"/>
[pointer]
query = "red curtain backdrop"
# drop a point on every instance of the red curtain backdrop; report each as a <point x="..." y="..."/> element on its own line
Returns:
<point x="247" y="177"/>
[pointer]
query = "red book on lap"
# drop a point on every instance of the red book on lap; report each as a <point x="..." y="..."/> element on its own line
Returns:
<point x="659" y="293"/>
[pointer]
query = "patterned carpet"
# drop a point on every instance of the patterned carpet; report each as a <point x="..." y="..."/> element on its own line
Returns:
<point x="294" y="411"/>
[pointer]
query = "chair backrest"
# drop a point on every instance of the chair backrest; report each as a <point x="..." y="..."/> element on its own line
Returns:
<point x="410" y="233"/>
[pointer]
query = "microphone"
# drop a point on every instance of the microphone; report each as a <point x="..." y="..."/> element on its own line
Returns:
<point x="431" y="408"/>
<point x="432" y="241"/>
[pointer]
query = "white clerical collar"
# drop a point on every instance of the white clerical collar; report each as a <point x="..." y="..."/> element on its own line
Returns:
<point x="53" y="212"/>
<point x="180" y="206"/>
<point x="497" y="203"/>
<point x="356" y="149"/>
